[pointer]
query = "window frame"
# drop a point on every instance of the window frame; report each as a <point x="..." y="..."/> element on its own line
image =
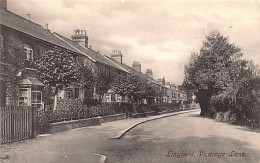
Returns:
<point x="36" y="98"/>
<point x="29" y="52"/>
<point x="65" y="94"/>
<point x="27" y="90"/>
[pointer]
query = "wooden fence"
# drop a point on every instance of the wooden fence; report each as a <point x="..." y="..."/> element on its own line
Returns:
<point x="17" y="123"/>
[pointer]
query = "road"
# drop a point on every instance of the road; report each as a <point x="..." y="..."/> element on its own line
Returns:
<point x="205" y="140"/>
<point x="154" y="141"/>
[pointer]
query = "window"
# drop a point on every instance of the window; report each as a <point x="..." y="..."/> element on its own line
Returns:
<point x="113" y="97"/>
<point x="175" y="95"/>
<point x="68" y="94"/>
<point x="118" y="99"/>
<point x="23" y="97"/>
<point x="107" y="98"/>
<point x="28" y="52"/>
<point x="123" y="98"/>
<point x="76" y="92"/>
<point x="36" y="99"/>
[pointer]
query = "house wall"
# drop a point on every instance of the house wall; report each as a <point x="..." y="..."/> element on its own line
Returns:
<point x="13" y="37"/>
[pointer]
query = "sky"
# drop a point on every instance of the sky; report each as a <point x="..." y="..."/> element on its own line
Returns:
<point x="160" y="34"/>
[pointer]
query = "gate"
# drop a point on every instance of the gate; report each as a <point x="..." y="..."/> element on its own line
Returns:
<point x="17" y="123"/>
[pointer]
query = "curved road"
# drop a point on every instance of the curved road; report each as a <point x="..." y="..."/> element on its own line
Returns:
<point x="185" y="138"/>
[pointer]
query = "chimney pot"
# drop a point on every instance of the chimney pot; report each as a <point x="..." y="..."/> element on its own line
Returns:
<point x="149" y="73"/>
<point x="116" y="55"/>
<point x="80" y="37"/>
<point x="136" y="66"/>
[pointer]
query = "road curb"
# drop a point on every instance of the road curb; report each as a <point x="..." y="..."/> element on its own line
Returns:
<point x="118" y="136"/>
<point x="103" y="158"/>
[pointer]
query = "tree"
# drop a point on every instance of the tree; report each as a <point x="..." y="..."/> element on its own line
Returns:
<point x="131" y="86"/>
<point x="85" y="78"/>
<point x="136" y="87"/>
<point x="56" y="68"/>
<point x="152" y="92"/>
<point x="103" y="83"/>
<point x="12" y="64"/>
<point x="210" y="71"/>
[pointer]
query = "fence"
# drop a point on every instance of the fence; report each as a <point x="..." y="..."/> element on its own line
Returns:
<point x="17" y="123"/>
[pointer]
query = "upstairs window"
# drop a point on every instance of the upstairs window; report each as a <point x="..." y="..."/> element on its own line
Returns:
<point x="28" y="52"/>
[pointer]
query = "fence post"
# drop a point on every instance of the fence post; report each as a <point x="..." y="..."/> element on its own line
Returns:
<point x="34" y="122"/>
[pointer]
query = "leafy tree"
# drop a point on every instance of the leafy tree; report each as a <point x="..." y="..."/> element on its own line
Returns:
<point x="136" y="87"/>
<point x="210" y="71"/>
<point x="56" y="69"/>
<point x="103" y="83"/>
<point x="85" y="78"/>
<point x="152" y="92"/>
<point x="131" y="86"/>
<point x="12" y="64"/>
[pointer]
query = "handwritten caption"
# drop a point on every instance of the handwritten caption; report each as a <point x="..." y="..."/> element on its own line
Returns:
<point x="192" y="154"/>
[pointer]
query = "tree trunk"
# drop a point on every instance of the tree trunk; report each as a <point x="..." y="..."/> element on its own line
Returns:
<point x="55" y="99"/>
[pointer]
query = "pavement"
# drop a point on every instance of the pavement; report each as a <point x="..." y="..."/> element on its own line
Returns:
<point x="76" y="145"/>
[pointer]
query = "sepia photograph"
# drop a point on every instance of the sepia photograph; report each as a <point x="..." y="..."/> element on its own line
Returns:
<point x="129" y="81"/>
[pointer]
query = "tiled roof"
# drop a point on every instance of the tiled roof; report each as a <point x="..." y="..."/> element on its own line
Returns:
<point x="130" y="69"/>
<point x="91" y="54"/>
<point x="28" y="27"/>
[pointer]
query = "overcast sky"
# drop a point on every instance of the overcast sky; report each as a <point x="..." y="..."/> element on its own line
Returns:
<point x="161" y="34"/>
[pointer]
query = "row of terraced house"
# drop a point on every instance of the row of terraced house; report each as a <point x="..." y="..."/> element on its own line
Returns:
<point x="36" y="39"/>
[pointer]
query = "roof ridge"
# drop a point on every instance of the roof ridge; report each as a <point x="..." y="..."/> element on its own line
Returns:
<point x="21" y="17"/>
<point x="58" y="36"/>
<point x="108" y="58"/>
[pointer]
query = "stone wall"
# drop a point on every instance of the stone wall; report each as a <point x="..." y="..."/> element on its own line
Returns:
<point x="67" y="125"/>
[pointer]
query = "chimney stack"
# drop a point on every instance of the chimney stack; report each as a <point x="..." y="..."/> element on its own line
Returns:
<point x="80" y="37"/>
<point x="149" y="73"/>
<point x="136" y="66"/>
<point x="116" y="55"/>
<point x="28" y="16"/>
<point x="47" y="27"/>
<point x="3" y="4"/>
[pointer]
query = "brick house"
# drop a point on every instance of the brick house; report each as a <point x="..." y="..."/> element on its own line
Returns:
<point x="35" y="40"/>
<point x="99" y="63"/>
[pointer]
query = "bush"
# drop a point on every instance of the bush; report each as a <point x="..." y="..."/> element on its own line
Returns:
<point x="91" y="102"/>
<point x="242" y="100"/>
<point x="69" y="104"/>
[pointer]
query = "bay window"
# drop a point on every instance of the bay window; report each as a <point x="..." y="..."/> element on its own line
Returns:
<point x="23" y="97"/>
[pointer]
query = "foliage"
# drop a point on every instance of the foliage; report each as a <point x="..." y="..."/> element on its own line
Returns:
<point x="56" y="69"/>
<point x="223" y="82"/>
<point x="210" y="71"/>
<point x="136" y="87"/>
<point x="103" y="83"/>
<point x="85" y="78"/>
<point x="69" y="109"/>
<point x="13" y="58"/>
<point x="47" y="95"/>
